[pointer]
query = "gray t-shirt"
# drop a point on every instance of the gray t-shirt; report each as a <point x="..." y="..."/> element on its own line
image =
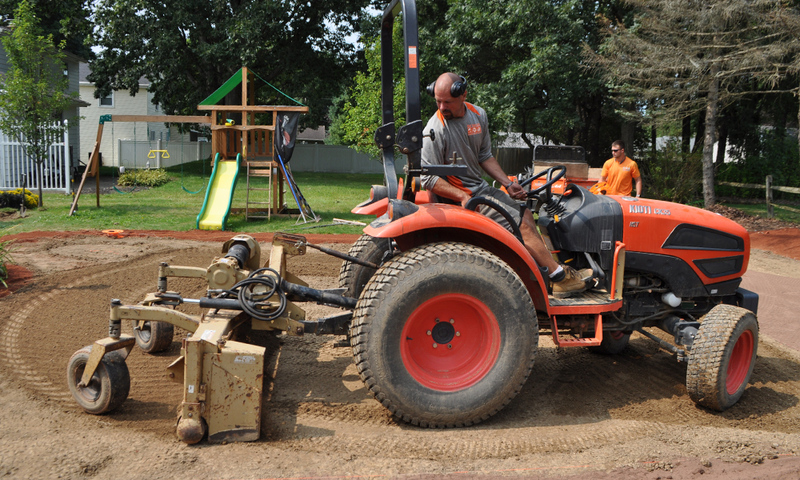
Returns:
<point x="468" y="137"/>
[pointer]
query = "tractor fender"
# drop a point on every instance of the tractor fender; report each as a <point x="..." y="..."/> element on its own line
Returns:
<point x="376" y="208"/>
<point x="436" y="221"/>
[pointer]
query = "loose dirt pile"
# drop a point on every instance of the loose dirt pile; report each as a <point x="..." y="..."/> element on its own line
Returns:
<point x="580" y="414"/>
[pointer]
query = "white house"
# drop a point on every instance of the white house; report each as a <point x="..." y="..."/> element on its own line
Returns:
<point x="133" y="144"/>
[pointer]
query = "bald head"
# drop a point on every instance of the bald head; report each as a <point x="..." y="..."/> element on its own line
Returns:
<point x="449" y="106"/>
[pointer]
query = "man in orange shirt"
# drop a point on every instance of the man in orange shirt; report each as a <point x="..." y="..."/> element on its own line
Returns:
<point x="620" y="172"/>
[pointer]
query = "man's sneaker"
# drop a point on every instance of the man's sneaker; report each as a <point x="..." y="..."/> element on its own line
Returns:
<point x="571" y="284"/>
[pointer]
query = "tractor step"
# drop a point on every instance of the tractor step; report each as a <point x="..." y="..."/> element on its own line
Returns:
<point x="579" y="342"/>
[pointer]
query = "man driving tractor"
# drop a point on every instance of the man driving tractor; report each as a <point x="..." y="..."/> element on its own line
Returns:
<point x="461" y="135"/>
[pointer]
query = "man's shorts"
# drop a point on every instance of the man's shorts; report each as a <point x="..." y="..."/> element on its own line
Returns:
<point x="510" y="205"/>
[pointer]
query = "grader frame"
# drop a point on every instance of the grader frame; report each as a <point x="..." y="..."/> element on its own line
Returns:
<point x="222" y="377"/>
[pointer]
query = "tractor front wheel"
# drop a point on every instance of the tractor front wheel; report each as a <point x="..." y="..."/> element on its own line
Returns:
<point x="722" y="357"/>
<point x="444" y="335"/>
<point x="108" y="387"/>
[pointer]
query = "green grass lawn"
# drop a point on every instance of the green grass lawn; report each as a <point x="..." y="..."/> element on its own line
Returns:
<point x="169" y="207"/>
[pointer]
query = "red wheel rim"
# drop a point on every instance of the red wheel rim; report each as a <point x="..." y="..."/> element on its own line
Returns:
<point x="450" y="342"/>
<point x="739" y="364"/>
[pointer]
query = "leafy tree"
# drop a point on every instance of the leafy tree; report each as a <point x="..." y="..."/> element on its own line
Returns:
<point x="522" y="61"/>
<point x="358" y="113"/>
<point x="682" y="57"/>
<point x="522" y="58"/>
<point x="66" y="20"/>
<point x="188" y="48"/>
<point x="34" y="90"/>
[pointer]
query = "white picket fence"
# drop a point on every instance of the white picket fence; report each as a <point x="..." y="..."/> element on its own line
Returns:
<point x="15" y="166"/>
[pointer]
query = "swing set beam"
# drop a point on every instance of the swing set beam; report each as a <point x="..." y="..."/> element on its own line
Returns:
<point x="93" y="167"/>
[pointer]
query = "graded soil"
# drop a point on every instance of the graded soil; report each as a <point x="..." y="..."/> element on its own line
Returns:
<point x="580" y="415"/>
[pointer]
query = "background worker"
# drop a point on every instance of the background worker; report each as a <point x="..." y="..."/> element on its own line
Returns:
<point x="463" y="129"/>
<point x="620" y="172"/>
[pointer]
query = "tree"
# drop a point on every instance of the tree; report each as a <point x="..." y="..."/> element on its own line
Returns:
<point x="682" y="57"/>
<point x="523" y="64"/>
<point x="66" y="20"/>
<point x="188" y="48"/>
<point x="358" y="113"/>
<point x="523" y="60"/>
<point x="34" y="90"/>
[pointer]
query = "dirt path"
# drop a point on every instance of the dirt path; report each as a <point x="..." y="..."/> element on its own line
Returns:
<point x="580" y="415"/>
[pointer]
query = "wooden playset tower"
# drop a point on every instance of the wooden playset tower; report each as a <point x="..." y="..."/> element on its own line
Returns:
<point x="239" y="126"/>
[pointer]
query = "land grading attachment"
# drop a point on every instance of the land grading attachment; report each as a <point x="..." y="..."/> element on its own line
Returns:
<point x="222" y="375"/>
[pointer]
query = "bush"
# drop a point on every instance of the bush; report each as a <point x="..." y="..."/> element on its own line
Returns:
<point x="12" y="198"/>
<point x="673" y="175"/>
<point x="5" y="257"/>
<point x="144" y="178"/>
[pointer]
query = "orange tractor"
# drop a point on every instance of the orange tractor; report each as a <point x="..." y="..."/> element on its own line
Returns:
<point x="445" y="331"/>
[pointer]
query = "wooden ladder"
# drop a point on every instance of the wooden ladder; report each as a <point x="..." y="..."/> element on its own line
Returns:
<point x="264" y="169"/>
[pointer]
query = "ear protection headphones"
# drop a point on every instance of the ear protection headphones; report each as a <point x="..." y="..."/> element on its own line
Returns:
<point x="458" y="88"/>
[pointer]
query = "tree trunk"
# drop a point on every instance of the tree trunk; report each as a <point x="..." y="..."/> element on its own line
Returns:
<point x="722" y="146"/>
<point x="701" y="131"/>
<point x="653" y="142"/>
<point x="708" y="148"/>
<point x="686" y="134"/>
<point x="40" y="180"/>
<point x="627" y="133"/>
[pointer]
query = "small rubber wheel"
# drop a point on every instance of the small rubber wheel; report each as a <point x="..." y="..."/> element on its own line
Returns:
<point x="152" y="336"/>
<point x="722" y="357"/>
<point x="352" y="276"/>
<point x="444" y="335"/>
<point x="614" y="342"/>
<point x="109" y="385"/>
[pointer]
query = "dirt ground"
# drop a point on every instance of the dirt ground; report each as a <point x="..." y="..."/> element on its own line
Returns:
<point x="579" y="416"/>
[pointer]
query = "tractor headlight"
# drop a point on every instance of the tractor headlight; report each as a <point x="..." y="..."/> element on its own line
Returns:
<point x="400" y="208"/>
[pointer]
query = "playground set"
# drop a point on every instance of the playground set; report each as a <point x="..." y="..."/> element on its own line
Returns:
<point x="257" y="140"/>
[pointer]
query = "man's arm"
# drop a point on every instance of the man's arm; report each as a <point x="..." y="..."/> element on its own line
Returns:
<point x="638" y="185"/>
<point x="443" y="188"/>
<point x="493" y="168"/>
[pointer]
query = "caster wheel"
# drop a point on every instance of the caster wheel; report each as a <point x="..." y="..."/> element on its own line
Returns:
<point x="108" y="387"/>
<point x="153" y="337"/>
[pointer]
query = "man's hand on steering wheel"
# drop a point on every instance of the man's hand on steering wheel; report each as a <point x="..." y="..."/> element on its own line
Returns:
<point x="552" y="174"/>
<point x="516" y="191"/>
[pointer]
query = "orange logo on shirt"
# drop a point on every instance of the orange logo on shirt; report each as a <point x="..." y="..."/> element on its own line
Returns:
<point x="474" y="129"/>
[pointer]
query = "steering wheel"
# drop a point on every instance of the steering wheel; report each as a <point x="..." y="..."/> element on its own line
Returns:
<point x="546" y="190"/>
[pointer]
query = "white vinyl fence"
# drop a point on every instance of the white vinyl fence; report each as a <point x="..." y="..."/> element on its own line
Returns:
<point x="133" y="154"/>
<point x="16" y="166"/>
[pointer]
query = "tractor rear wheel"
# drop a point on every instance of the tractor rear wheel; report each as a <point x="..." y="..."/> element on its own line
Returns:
<point x="722" y="357"/>
<point x="109" y="385"/>
<point x="352" y="276"/>
<point x="444" y="335"/>
<point x="153" y="336"/>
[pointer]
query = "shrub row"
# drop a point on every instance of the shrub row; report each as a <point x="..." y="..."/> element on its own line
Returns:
<point x="144" y="178"/>
<point x="12" y="199"/>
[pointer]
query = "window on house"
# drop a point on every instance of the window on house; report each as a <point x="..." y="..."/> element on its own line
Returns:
<point x="107" y="101"/>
